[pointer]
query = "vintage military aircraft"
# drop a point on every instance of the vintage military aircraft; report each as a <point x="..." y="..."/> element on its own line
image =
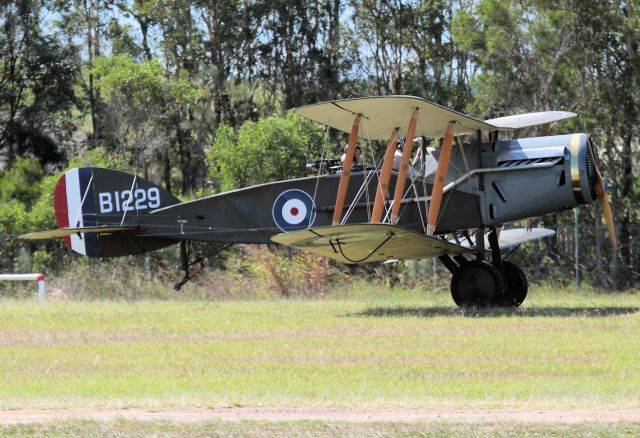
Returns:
<point x="448" y="203"/>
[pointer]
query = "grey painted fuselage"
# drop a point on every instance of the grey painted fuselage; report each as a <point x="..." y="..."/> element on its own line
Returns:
<point x="488" y="184"/>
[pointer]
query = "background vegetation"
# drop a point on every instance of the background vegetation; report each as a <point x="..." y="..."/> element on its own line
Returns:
<point x="187" y="93"/>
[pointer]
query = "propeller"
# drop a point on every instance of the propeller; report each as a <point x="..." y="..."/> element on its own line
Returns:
<point x="604" y="203"/>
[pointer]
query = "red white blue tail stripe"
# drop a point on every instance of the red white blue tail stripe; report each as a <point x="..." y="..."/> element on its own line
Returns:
<point x="74" y="207"/>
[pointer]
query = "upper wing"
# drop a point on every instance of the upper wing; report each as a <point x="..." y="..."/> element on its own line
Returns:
<point x="381" y="115"/>
<point x="527" y="120"/>
<point x="358" y="243"/>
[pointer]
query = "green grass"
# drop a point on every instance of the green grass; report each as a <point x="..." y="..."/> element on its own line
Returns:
<point x="315" y="429"/>
<point x="385" y="349"/>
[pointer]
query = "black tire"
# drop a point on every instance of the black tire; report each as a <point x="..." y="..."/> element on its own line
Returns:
<point x="516" y="283"/>
<point x="476" y="283"/>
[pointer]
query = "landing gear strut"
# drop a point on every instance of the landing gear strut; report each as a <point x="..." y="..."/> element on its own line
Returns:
<point x="198" y="262"/>
<point x="483" y="284"/>
<point x="187" y="265"/>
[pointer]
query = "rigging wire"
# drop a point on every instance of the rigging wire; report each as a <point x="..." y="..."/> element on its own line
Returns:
<point x="464" y="156"/>
<point x="322" y="155"/>
<point x="392" y="144"/>
<point x="423" y="150"/>
<point x="412" y="181"/>
<point x="365" y="183"/>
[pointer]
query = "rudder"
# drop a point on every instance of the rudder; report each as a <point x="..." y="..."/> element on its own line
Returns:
<point x="93" y="196"/>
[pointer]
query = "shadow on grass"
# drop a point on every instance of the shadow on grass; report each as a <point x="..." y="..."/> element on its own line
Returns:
<point x="473" y="312"/>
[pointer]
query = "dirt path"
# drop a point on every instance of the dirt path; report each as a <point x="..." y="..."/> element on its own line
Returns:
<point x="350" y="414"/>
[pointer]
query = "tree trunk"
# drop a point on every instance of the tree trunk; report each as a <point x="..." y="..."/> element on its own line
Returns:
<point x="93" y="50"/>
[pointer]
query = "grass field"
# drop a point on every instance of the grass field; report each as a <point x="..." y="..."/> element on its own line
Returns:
<point x="398" y="349"/>
<point x="381" y="349"/>
<point x="316" y="429"/>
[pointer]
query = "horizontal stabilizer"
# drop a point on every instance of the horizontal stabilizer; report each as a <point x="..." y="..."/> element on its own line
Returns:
<point x="359" y="243"/>
<point x="68" y="231"/>
<point x="527" y="120"/>
<point x="515" y="236"/>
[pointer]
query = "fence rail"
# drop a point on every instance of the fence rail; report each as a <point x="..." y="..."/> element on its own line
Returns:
<point x="39" y="277"/>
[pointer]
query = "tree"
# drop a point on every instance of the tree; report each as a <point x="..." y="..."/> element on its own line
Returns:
<point x="37" y="78"/>
<point x="271" y="149"/>
<point x="140" y="100"/>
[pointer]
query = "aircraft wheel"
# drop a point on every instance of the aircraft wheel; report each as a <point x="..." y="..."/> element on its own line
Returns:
<point x="476" y="283"/>
<point x="517" y="285"/>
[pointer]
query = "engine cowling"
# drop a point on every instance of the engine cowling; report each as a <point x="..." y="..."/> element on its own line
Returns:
<point x="537" y="176"/>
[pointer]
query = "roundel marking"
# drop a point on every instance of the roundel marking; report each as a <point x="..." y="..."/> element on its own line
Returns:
<point x="293" y="210"/>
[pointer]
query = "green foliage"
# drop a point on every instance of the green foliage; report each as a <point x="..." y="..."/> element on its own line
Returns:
<point x="20" y="181"/>
<point x="271" y="149"/>
<point x="13" y="221"/>
<point x="465" y="28"/>
<point x="99" y="157"/>
<point x="523" y="55"/>
<point x="38" y="73"/>
<point x="122" y="39"/>
<point x="145" y="83"/>
<point x="142" y="82"/>
<point x="20" y="212"/>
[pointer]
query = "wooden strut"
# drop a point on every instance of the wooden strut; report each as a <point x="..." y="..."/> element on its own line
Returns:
<point x="440" y="179"/>
<point x="346" y="171"/>
<point x="385" y="176"/>
<point x="404" y="167"/>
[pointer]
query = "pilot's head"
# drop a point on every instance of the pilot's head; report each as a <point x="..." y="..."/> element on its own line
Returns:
<point x="356" y="156"/>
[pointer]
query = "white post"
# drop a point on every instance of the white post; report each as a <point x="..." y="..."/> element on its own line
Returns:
<point x="39" y="277"/>
<point x="41" y="288"/>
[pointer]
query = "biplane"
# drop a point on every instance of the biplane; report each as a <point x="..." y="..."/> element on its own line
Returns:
<point x="449" y="201"/>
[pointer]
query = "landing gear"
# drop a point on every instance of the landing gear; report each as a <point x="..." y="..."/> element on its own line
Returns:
<point x="516" y="285"/>
<point x="476" y="283"/>
<point x="187" y="265"/>
<point x="198" y="262"/>
<point x="483" y="284"/>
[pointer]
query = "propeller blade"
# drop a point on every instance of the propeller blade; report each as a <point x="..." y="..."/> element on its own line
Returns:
<point x="606" y="209"/>
<point x="604" y="202"/>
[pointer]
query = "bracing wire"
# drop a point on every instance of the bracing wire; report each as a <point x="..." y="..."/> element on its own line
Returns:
<point x="365" y="182"/>
<point x="322" y="155"/>
<point x="410" y="186"/>
<point x="464" y="156"/>
<point x="415" y="191"/>
<point x="84" y="197"/>
<point x="128" y="201"/>
<point x="363" y="188"/>
<point x="422" y="219"/>
<point x="423" y="154"/>
<point x="392" y="144"/>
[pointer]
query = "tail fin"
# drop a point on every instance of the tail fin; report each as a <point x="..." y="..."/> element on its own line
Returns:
<point x="88" y="197"/>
